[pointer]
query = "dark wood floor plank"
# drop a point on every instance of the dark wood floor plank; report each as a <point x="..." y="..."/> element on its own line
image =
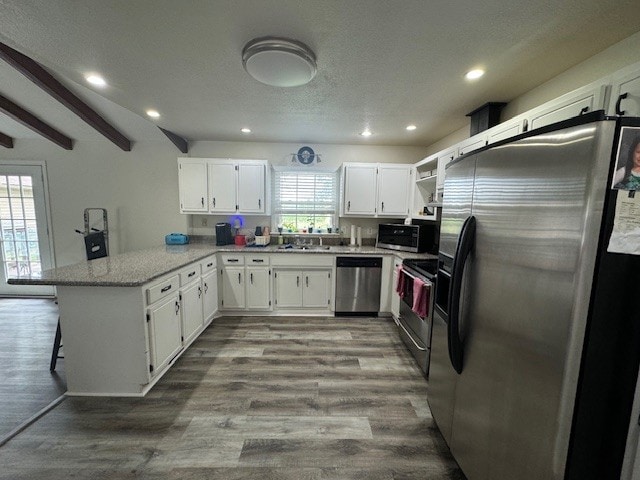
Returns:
<point x="254" y="398"/>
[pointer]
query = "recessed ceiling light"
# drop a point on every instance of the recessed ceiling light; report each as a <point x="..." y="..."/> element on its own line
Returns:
<point x="411" y="127"/>
<point x="474" y="74"/>
<point x="153" y="113"/>
<point x="366" y="133"/>
<point x="245" y="130"/>
<point x="96" y="80"/>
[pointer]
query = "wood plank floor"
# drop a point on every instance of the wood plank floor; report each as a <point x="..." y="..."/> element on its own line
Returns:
<point x="27" y="330"/>
<point x="254" y="398"/>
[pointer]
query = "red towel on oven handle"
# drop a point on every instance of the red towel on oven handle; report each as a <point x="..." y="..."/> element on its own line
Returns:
<point x="421" y="293"/>
<point x="400" y="281"/>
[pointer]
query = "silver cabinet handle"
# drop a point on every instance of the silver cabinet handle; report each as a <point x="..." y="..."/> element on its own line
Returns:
<point x="297" y="281"/>
<point x="177" y="307"/>
<point x="239" y="278"/>
<point x="259" y="203"/>
<point x="251" y="276"/>
<point x="206" y="288"/>
<point x="165" y="289"/>
<point x="307" y="280"/>
<point x="191" y="274"/>
<point x="202" y="201"/>
<point x="214" y="202"/>
<point x="232" y="260"/>
<point x="348" y="205"/>
<point x="383" y="206"/>
<point x="257" y="260"/>
<point x="199" y="292"/>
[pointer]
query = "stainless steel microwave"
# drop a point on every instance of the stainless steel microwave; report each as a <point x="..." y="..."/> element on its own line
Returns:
<point x="409" y="238"/>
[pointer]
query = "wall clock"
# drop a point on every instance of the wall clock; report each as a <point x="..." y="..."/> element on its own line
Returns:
<point x="306" y="156"/>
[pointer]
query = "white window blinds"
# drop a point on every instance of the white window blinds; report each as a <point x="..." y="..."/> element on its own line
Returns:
<point x="303" y="198"/>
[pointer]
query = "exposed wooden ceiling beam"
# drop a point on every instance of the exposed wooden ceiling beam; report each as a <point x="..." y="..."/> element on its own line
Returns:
<point x="38" y="75"/>
<point x="29" y="120"/>
<point x="6" y="140"/>
<point x="178" y="141"/>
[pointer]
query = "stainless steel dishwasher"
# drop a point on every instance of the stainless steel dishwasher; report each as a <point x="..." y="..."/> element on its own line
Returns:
<point x="358" y="282"/>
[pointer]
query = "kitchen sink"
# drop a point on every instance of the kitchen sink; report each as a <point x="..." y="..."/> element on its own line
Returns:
<point x="304" y="247"/>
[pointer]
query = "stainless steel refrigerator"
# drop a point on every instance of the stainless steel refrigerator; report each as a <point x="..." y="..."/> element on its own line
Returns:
<point x="536" y="333"/>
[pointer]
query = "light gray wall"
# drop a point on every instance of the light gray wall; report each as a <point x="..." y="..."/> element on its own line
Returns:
<point x="599" y="66"/>
<point x="138" y="188"/>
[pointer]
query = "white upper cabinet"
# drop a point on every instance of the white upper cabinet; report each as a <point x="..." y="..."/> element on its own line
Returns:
<point x="393" y="190"/>
<point x="444" y="159"/>
<point x="360" y="186"/>
<point x="472" y="143"/>
<point x="228" y="186"/>
<point x="625" y="92"/>
<point x="222" y="186"/>
<point x="376" y="190"/>
<point x="251" y="187"/>
<point x="505" y="130"/>
<point x="192" y="184"/>
<point x="578" y="102"/>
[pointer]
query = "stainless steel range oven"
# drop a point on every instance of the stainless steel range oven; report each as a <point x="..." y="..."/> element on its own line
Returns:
<point x="416" y="308"/>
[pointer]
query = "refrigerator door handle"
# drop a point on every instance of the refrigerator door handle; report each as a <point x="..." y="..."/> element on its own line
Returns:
<point x="463" y="249"/>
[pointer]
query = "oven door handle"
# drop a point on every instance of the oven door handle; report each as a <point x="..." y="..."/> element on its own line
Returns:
<point x="464" y="248"/>
<point x="409" y="335"/>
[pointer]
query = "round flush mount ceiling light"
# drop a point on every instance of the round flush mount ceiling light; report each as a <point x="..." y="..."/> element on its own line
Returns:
<point x="411" y="127"/>
<point x="245" y="130"/>
<point x="153" y="113"/>
<point x="278" y="61"/>
<point x="366" y="133"/>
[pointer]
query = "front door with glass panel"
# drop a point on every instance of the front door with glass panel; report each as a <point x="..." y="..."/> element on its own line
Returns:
<point x="24" y="240"/>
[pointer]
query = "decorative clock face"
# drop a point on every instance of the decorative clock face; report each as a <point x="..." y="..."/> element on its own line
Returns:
<point x="306" y="155"/>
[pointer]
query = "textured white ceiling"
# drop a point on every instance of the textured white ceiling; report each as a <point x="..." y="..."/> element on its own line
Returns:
<point x="381" y="64"/>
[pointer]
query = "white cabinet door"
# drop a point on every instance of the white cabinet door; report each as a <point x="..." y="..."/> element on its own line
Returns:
<point x="191" y="302"/>
<point x="165" y="332"/>
<point x="625" y="95"/>
<point x="222" y="187"/>
<point x="360" y="190"/>
<point x="578" y="102"/>
<point x="233" y="288"/>
<point x="395" y="298"/>
<point x="192" y="185"/>
<point x="472" y="143"/>
<point x="251" y="188"/>
<point x="210" y="295"/>
<point x="288" y="288"/>
<point x="444" y="159"/>
<point x="393" y="190"/>
<point x="504" y="131"/>
<point x="316" y="289"/>
<point x="258" y="288"/>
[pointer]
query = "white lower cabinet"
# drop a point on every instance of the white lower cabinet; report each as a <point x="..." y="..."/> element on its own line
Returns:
<point x="209" y="295"/>
<point x="302" y="288"/>
<point x="233" y="295"/>
<point x="191" y="306"/>
<point x="395" y="298"/>
<point x="258" y="288"/>
<point x="165" y="332"/>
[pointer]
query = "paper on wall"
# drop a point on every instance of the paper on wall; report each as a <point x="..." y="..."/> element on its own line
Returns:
<point x="625" y="237"/>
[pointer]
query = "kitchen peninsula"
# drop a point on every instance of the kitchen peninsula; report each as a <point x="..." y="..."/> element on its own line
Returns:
<point x="126" y="318"/>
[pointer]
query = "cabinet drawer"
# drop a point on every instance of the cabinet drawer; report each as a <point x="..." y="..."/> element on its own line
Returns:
<point x="162" y="289"/>
<point x="208" y="264"/>
<point x="232" y="259"/>
<point x="189" y="274"/>
<point x="257" y="259"/>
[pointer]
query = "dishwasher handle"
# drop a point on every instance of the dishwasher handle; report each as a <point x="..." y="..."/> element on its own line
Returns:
<point x="359" y="262"/>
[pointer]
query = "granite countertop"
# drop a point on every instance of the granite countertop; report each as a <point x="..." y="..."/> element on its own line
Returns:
<point x="136" y="268"/>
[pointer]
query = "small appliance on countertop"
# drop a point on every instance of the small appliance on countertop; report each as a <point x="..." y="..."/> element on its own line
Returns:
<point x="176" y="239"/>
<point x="223" y="234"/>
